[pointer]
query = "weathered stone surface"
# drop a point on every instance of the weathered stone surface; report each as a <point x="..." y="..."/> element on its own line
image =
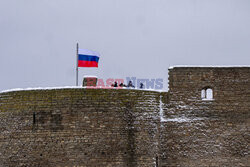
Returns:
<point x="108" y="127"/>
<point x="79" y="127"/>
<point x="207" y="132"/>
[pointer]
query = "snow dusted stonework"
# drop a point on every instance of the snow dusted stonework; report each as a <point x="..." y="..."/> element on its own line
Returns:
<point x="75" y="126"/>
<point x="208" y="66"/>
<point x="207" y="132"/>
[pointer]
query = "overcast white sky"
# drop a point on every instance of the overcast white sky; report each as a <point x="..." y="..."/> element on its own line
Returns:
<point x="140" y="38"/>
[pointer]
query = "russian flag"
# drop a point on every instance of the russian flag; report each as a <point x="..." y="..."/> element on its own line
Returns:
<point x="87" y="58"/>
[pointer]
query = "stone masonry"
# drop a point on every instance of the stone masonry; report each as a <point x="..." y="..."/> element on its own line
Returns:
<point x="79" y="127"/>
<point x="127" y="127"/>
<point x="200" y="132"/>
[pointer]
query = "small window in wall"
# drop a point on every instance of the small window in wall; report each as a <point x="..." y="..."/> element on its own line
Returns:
<point x="207" y="94"/>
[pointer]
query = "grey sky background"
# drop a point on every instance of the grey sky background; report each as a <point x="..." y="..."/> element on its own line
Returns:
<point x="139" y="38"/>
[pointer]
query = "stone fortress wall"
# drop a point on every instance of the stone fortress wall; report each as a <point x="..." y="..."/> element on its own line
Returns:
<point x="231" y="87"/>
<point x="120" y="127"/>
<point x="207" y="132"/>
<point x="79" y="127"/>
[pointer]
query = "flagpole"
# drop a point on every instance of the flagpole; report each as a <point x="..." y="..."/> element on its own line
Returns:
<point x="77" y="48"/>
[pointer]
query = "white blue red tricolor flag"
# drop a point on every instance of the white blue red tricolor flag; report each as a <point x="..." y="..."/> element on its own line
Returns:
<point x="88" y="58"/>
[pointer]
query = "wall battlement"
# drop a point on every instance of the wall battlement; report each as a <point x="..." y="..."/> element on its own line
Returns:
<point x="126" y="127"/>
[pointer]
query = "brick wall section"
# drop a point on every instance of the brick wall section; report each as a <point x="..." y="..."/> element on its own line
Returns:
<point x="79" y="127"/>
<point x="207" y="133"/>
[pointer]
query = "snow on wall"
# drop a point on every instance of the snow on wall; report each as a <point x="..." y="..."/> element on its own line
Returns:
<point x="208" y="66"/>
<point x="75" y="87"/>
